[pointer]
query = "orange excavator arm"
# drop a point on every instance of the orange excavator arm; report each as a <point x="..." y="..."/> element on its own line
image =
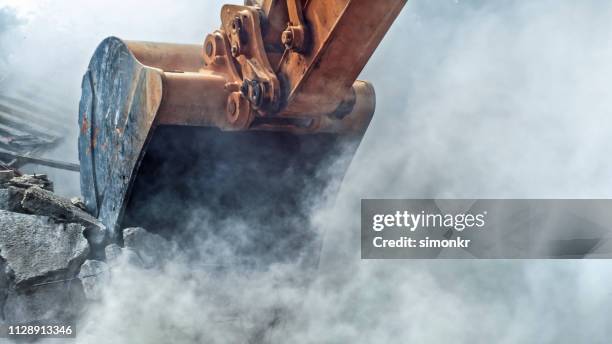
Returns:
<point x="285" y="63"/>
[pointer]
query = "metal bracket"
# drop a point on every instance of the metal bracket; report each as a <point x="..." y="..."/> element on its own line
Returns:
<point x="259" y="83"/>
<point x="295" y="37"/>
<point x="326" y="45"/>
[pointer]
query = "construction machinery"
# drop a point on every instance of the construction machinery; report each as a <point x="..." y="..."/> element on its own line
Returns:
<point x="242" y="131"/>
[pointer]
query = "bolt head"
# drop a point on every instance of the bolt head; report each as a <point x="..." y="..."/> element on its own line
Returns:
<point x="244" y="88"/>
<point x="236" y="24"/>
<point x="287" y="37"/>
<point x="256" y="93"/>
<point x="209" y="48"/>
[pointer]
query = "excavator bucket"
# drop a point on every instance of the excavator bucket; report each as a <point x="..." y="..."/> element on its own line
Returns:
<point x="213" y="139"/>
<point x="172" y="179"/>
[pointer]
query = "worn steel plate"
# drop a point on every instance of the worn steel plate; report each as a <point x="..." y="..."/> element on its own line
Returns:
<point x="120" y="98"/>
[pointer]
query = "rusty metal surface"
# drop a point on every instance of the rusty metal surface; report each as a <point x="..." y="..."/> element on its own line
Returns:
<point x="168" y="57"/>
<point x="343" y="35"/>
<point x="197" y="99"/>
<point x="325" y="46"/>
<point x="242" y="25"/>
<point x="119" y="101"/>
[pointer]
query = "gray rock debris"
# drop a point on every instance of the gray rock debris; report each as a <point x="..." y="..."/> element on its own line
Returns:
<point x="112" y="252"/>
<point x="4" y="283"/>
<point x="10" y="199"/>
<point x="6" y="176"/>
<point x="46" y="203"/>
<point x="4" y="275"/>
<point x="26" y="181"/>
<point x="40" y="255"/>
<point x="151" y="248"/>
<point x="38" y="250"/>
<point x="78" y="202"/>
<point x="4" y="199"/>
<point x="116" y="255"/>
<point x="55" y="302"/>
<point x="94" y="276"/>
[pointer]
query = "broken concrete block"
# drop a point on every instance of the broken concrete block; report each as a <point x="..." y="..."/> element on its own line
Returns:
<point x="37" y="249"/>
<point x="94" y="276"/>
<point x="78" y="202"/>
<point x="15" y="197"/>
<point x="4" y="275"/>
<point x="6" y="176"/>
<point x="46" y="203"/>
<point x="116" y="255"/>
<point x="4" y="282"/>
<point x="49" y="303"/>
<point x="131" y="257"/>
<point x="151" y="248"/>
<point x="10" y="199"/>
<point x="27" y="181"/>
<point x="112" y="252"/>
<point x="4" y="199"/>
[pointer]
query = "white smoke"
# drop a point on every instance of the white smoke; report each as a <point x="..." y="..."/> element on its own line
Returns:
<point x="475" y="99"/>
<point x="8" y="22"/>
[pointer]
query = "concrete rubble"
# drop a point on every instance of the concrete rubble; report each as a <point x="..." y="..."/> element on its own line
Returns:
<point x="49" y="303"/>
<point x="26" y="181"/>
<point x="6" y="176"/>
<point x="4" y="199"/>
<point x="39" y="255"/>
<point x="152" y="249"/>
<point x="55" y="257"/>
<point x="21" y="239"/>
<point x="116" y="255"/>
<point x="43" y="202"/>
<point x="10" y="199"/>
<point x="94" y="275"/>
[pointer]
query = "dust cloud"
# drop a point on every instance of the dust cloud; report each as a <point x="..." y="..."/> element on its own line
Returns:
<point x="476" y="99"/>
